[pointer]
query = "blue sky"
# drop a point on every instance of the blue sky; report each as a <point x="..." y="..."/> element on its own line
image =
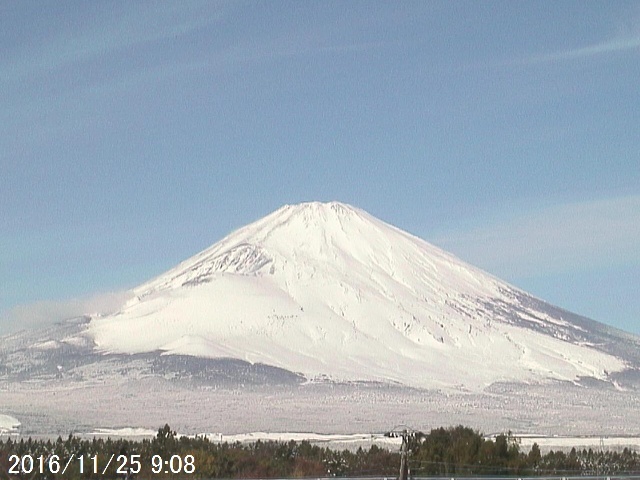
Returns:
<point x="135" y="134"/>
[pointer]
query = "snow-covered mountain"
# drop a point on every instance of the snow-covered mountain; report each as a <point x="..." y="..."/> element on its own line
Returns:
<point x="330" y="292"/>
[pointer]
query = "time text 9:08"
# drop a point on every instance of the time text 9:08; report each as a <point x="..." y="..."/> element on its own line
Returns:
<point x="123" y="464"/>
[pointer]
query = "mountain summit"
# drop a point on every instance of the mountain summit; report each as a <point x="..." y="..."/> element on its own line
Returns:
<point x="331" y="292"/>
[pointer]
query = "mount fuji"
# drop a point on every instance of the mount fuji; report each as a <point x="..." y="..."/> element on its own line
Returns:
<point x="329" y="292"/>
<point x="320" y="317"/>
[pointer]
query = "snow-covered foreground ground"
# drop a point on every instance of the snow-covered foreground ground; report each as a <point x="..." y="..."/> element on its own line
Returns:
<point x="596" y="443"/>
<point x="354" y="441"/>
<point x="8" y="424"/>
<point x="147" y="404"/>
<point x="335" y="441"/>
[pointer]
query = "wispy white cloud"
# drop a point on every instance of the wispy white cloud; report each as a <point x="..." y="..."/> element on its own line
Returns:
<point x="563" y="238"/>
<point x="624" y="38"/>
<point x="40" y="314"/>
<point x="145" y="23"/>
<point x="139" y="23"/>
<point x="609" y="46"/>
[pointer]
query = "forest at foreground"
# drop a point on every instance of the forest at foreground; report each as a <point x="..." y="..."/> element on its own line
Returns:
<point x="453" y="451"/>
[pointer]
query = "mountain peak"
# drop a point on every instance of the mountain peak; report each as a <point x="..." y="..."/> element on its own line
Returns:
<point x="320" y="207"/>
<point x="325" y="209"/>
<point x="309" y="213"/>
<point x="305" y="234"/>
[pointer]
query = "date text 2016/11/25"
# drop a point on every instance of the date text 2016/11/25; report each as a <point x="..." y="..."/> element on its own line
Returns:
<point x="123" y="464"/>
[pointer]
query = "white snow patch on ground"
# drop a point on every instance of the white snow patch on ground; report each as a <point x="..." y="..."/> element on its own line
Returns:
<point x="525" y="441"/>
<point x="8" y="424"/>
<point x="356" y="438"/>
<point x="547" y="443"/>
<point x="124" y="432"/>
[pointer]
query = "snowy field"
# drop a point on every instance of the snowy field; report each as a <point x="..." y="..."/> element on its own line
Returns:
<point x="565" y="443"/>
<point x="549" y="413"/>
<point x="366" y="440"/>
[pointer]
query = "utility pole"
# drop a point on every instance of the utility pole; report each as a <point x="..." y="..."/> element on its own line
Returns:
<point x="404" y="465"/>
<point x="406" y="434"/>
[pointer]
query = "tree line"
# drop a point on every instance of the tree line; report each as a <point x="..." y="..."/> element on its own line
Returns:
<point x="461" y="451"/>
<point x="453" y="451"/>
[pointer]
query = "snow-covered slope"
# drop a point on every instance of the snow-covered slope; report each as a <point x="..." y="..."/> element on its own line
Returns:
<point x="327" y="290"/>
